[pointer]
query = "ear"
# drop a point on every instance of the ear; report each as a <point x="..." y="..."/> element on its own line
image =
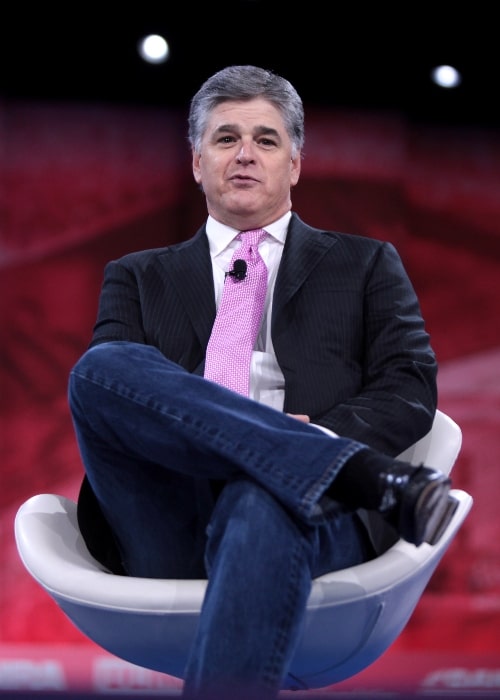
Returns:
<point x="196" y="166"/>
<point x="295" y="169"/>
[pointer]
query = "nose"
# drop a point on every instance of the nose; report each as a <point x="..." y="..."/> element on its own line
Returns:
<point x="245" y="154"/>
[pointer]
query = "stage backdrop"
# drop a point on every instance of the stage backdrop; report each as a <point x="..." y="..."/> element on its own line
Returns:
<point x="81" y="184"/>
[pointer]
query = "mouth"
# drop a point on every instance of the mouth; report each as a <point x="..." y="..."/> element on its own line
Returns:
<point x="243" y="179"/>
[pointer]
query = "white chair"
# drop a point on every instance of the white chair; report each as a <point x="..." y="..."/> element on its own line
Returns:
<point x="352" y="616"/>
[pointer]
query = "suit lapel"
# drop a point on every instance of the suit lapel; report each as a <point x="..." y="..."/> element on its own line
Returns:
<point x="189" y="270"/>
<point x="304" y="248"/>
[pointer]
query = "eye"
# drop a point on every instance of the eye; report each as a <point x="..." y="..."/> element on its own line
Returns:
<point x="267" y="142"/>
<point x="226" y="139"/>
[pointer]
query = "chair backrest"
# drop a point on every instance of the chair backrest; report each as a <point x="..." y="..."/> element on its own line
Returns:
<point x="439" y="448"/>
<point x="352" y="615"/>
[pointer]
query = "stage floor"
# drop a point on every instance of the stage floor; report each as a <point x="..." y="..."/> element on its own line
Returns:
<point x="84" y="671"/>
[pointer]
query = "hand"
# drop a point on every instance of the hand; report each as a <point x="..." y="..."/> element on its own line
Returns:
<point x="300" y="416"/>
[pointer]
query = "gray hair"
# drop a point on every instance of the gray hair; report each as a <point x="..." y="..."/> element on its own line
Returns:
<point x="246" y="83"/>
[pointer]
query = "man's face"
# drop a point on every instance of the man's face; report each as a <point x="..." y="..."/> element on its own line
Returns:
<point x="245" y="166"/>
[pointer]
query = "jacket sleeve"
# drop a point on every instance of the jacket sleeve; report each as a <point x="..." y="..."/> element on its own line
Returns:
<point x="361" y="363"/>
<point x="397" y="398"/>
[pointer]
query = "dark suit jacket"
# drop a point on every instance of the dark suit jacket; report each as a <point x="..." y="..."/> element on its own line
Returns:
<point x="346" y="327"/>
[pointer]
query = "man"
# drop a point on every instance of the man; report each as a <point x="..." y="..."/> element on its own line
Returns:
<point x="251" y="487"/>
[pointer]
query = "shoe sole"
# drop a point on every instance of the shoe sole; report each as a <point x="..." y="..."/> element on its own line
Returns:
<point x="434" y="509"/>
<point x="433" y="535"/>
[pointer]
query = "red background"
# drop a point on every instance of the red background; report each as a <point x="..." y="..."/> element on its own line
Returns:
<point x="83" y="184"/>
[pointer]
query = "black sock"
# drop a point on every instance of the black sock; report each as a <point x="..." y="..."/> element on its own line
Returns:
<point x="357" y="484"/>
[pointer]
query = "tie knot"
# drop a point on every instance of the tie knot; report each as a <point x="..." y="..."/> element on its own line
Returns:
<point x="253" y="237"/>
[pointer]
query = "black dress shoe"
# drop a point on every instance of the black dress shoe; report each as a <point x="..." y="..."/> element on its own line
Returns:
<point x="416" y="501"/>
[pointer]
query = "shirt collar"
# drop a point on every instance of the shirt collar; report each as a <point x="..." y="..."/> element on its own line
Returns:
<point x="220" y="236"/>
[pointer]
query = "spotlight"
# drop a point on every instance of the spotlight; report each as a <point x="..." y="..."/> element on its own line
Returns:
<point x="446" y="76"/>
<point x="154" y="49"/>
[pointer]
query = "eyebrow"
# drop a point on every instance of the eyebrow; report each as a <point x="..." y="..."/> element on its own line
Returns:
<point x="260" y="130"/>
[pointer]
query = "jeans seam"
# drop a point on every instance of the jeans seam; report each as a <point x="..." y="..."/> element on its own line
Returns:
<point x="273" y="672"/>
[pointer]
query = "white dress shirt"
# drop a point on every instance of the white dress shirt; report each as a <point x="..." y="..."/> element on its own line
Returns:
<point x="267" y="383"/>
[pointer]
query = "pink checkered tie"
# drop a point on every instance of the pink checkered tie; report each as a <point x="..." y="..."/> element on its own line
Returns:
<point x="238" y="319"/>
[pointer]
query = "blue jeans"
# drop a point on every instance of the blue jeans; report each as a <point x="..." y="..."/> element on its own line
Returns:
<point x="154" y="439"/>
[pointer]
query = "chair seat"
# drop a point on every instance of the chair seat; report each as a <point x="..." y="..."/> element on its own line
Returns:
<point x="352" y="616"/>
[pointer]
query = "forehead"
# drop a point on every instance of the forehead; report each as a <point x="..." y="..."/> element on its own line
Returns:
<point x="246" y="115"/>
